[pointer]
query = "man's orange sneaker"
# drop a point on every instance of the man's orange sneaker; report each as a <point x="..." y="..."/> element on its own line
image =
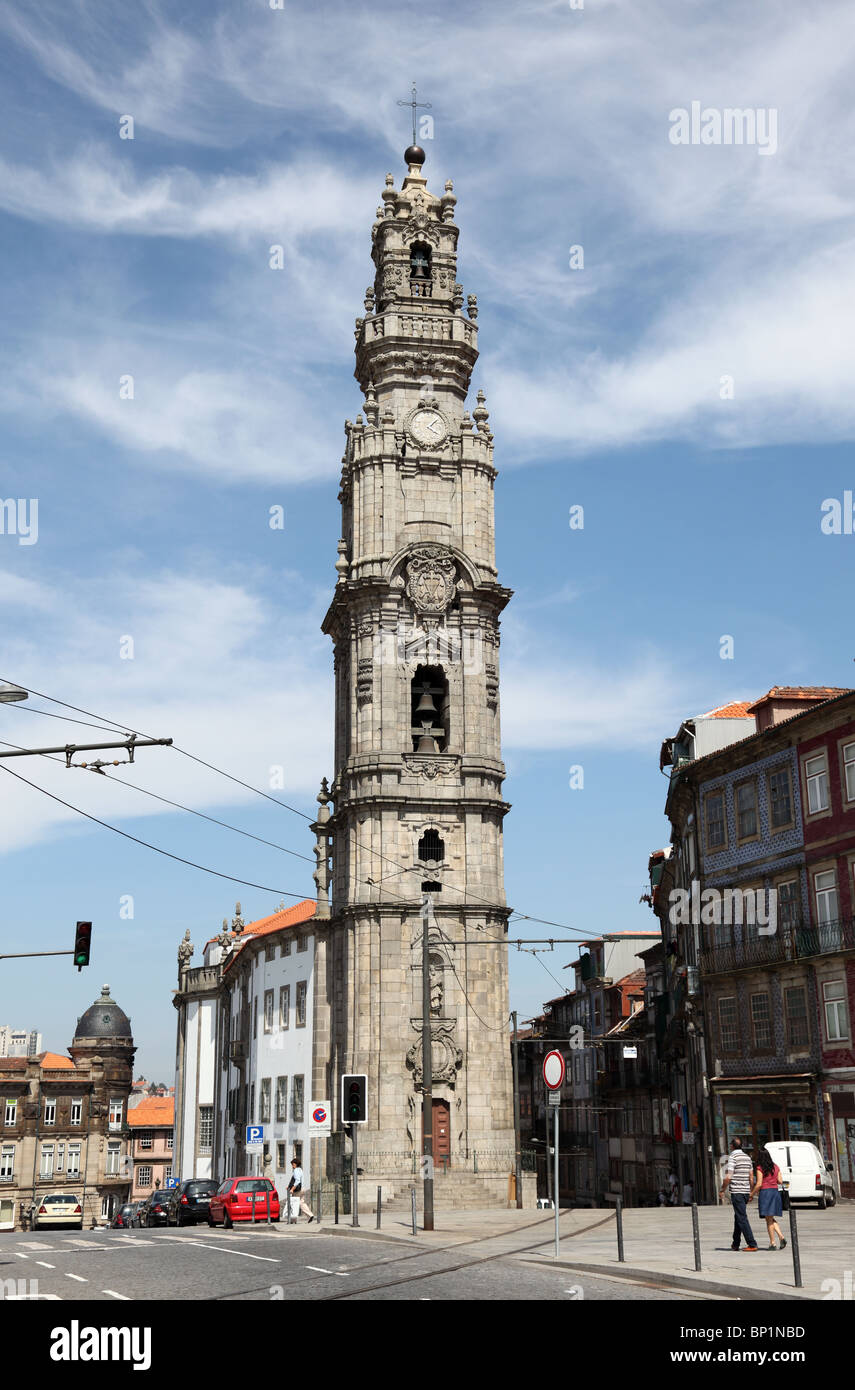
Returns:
<point x="752" y="1247"/>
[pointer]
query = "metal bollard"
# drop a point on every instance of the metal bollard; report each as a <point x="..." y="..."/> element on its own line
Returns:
<point x="379" y="1200"/>
<point x="619" y="1220"/>
<point x="794" y="1241"/>
<point x="696" y="1235"/>
<point x="413" y="1196"/>
<point x="336" y="1205"/>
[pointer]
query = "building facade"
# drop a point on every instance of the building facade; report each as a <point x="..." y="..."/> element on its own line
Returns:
<point x="19" y="1042"/>
<point x="418" y="780"/>
<point x="63" y="1120"/>
<point x="151" y="1123"/>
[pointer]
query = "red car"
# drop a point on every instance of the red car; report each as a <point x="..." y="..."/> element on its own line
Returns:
<point x="243" y="1199"/>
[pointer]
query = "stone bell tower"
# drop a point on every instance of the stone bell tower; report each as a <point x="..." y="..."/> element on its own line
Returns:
<point x="417" y="793"/>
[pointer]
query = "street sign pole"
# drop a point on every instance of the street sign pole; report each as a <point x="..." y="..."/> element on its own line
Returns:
<point x="555" y="1185"/>
<point x="553" y="1077"/>
<point x="354" y="1129"/>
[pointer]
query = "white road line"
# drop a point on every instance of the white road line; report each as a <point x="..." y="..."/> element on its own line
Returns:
<point x="340" y="1273"/>
<point x="20" y="1256"/>
<point x="78" y="1277"/>
<point x="45" y="1264"/>
<point x="246" y="1255"/>
<point x="123" y="1296"/>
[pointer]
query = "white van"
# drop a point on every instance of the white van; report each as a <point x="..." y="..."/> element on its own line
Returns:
<point x="804" y="1168"/>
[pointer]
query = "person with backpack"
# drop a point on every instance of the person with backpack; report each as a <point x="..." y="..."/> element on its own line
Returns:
<point x="767" y="1185"/>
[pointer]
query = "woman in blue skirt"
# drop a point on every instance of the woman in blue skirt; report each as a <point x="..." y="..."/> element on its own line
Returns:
<point x="769" y="1198"/>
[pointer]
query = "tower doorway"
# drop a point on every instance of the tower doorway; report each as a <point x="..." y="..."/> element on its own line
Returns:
<point x="441" y="1134"/>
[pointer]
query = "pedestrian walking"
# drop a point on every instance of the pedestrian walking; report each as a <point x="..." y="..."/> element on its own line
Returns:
<point x="767" y="1185"/>
<point x="739" y="1180"/>
<point x="688" y="1194"/>
<point x="295" y="1189"/>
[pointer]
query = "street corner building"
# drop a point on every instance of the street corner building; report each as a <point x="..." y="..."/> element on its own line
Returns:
<point x="411" y="828"/>
<point x="63" y="1121"/>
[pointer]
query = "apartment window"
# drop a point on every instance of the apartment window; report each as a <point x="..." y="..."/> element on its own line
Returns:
<point x="297" y="1153"/>
<point x="746" y="811"/>
<point x="825" y="892"/>
<point x="284" y="1006"/>
<point x="268" y="1011"/>
<point x="761" y="1023"/>
<point x="789" y="904"/>
<point x="281" y="1097"/>
<point x="264" y="1098"/>
<point x="76" y="1114"/>
<point x="780" y="798"/>
<point x="170" y="1140"/>
<point x="167" y="1175"/>
<point x="60" y="1158"/>
<point x="836" y="1020"/>
<point x="795" y="1009"/>
<point x="286" y="947"/>
<point x="73" y="1169"/>
<point x="115" y="1114"/>
<point x="849" y="770"/>
<point x="46" y="1161"/>
<point x="50" y="1112"/>
<point x="302" y="942"/>
<point x="297" y="1100"/>
<point x="728" y="1025"/>
<point x="269" y="952"/>
<point x="113" y="1154"/>
<point x="7" y="1163"/>
<point x="144" y="1175"/>
<point x="146" y="1139"/>
<point x="206" y="1128"/>
<point x="302" y="987"/>
<point x="715" y="821"/>
<point x="10" y="1117"/>
<point x="816" y="779"/>
<point x="281" y="1157"/>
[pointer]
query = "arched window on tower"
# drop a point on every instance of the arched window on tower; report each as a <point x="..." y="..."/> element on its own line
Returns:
<point x="420" y="270"/>
<point x="429" y="710"/>
<point x="431" y="848"/>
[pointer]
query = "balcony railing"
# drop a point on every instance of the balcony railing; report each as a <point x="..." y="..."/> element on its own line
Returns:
<point x="790" y="943"/>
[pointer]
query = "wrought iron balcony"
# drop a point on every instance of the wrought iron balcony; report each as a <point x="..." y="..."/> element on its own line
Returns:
<point x="825" y="938"/>
<point x="789" y="943"/>
<point x="237" y="1050"/>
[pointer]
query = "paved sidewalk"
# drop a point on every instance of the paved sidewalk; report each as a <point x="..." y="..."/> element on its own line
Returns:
<point x="657" y="1243"/>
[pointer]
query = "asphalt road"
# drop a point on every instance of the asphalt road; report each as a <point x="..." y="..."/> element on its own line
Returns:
<point x="199" y="1263"/>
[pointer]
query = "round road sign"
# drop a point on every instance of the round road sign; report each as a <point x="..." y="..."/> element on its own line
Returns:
<point x="553" y="1070"/>
<point x="319" y="1114"/>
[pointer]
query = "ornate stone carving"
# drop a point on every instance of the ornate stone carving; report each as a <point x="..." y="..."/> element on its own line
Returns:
<point x="446" y="1056"/>
<point x="426" y="766"/>
<point x="492" y="675"/>
<point x="364" y="681"/>
<point x="185" y="951"/>
<point x="431" y="578"/>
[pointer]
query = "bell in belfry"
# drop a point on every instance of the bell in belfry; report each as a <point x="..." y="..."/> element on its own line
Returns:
<point x="427" y="744"/>
<point x="426" y="705"/>
<point x="420" y="266"/>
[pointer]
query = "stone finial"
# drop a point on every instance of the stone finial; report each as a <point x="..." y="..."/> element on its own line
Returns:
<point x="238" y="923"/>
<point x="185" y="951"/>
<point x="480" y="414"/>
<point x="390" y="180"/>
<point x="449" y="186"/>
<point x="324" y="793"/>
<point x="342" y="564"/>
<point x="369" y="300"/>
<point x="472" y="304"/>
<point x="466" y="422"/>
<point x="457" y="297"/>
<point x="372" y="409"/>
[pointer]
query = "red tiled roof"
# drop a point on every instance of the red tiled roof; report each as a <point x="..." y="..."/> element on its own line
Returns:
<point x="287" y="917"/>
<point x="154" y="1110"/>
<point x="13" y="1064"/>
<point x="799" y="692"/>
<point x="737" y="709"/>
<point x="56" y="1061"/>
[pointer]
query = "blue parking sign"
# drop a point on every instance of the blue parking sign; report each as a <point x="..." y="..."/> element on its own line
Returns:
<point x="254" y="1136"/>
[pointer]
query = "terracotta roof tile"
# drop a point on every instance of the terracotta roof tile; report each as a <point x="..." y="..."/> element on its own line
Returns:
<point x="154" y="1110"/>
<point x="800" y="692"/>
<point x="737" y="709"/>
<point x="56" y="1061"/>
<point x="288" y="917"/>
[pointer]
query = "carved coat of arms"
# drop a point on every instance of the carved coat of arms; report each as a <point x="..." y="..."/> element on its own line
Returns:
<point x="430" y="579"/>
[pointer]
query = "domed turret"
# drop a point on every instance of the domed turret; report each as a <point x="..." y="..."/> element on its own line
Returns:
<point x="104" y="1021"/>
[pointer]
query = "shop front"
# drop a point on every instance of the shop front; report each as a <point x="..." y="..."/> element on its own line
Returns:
<point x="760" y="1110"/>
<point x="842" y="1123"/>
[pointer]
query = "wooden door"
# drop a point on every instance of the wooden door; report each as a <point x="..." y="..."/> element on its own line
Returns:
<point x="441" y="1133"/>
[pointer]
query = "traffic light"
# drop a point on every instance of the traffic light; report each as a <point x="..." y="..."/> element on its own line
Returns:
<point x="82" y="943"/>
<point x="354" y="1100"/>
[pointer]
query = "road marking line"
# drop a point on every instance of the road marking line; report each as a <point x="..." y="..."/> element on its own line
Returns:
<point x="123" y="1296"/>
<point x="45" y="1263"/>
<point x="339" y="1273"/>
<point x="20" y="1256"/>
<point x="245" y="1253"/>
<point x="78" y="1277"/>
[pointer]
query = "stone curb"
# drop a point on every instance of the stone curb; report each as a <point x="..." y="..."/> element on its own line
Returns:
<point x="679" y="1281"/>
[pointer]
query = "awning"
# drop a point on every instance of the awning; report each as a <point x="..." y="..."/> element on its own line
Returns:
<point x="799" y="1084"/>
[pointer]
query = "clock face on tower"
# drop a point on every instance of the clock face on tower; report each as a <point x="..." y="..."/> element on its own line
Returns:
<point x="428" y="428"/>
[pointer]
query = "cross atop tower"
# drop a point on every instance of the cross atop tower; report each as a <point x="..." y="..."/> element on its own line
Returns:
<point x="415" y="105"/>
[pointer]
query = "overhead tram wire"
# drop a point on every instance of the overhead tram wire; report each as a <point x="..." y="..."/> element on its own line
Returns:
<point x="246" y="883"/>
<point x="123" y="728"/>
<point x="134" y="786"/>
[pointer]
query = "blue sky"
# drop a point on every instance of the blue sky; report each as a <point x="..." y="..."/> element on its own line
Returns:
<point x="150" y="257"/>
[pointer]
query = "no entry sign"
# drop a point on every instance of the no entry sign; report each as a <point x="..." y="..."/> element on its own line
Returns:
<point x="553" y="1070"/>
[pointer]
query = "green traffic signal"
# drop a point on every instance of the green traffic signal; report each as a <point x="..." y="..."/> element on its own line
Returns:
<point x="82" y="944"/>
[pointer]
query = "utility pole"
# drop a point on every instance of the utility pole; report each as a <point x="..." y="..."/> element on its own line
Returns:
<point x="427" y="1066"/>
<point x="517" y="1137"/>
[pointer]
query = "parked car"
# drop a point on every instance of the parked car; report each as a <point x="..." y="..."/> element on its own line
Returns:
<point x="124" y="1217"/>
<point x="153" y="1210"/>
<point x="138" y="1206"/>
<point x="804" y="1168"/>
<point x="57" y="1209"/>
<point x="243" y="1199"/>
<point x="190" y="1201"/>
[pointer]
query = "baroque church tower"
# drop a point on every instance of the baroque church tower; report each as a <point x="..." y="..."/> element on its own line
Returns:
<point x="418" y="767"/>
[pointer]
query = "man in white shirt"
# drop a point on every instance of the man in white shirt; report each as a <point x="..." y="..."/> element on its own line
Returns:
<point x="295" y="1188"/>
<point x="739" y="1178"/>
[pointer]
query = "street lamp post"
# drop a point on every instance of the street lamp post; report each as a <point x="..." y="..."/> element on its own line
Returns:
<point x="10" y="693"/>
